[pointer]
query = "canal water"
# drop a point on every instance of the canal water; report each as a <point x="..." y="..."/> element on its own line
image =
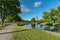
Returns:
<point x="39" y="27"/>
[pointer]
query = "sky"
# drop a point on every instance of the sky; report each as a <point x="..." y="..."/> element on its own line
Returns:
<point x="34" y="8"/>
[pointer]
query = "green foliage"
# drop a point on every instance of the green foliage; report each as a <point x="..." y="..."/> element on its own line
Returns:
<point x="58" y="8"/>
<point x="2" y="27"/>
<point x="57" y="29"/>
<point x="14" y="19"/>
<point x="41" y="21"/>
<point x="17" y="18"/>
<point x="9" y="8"/>
<point x="47" y="28"/>
<point x="33" y="20"/>
<point x="51" y="17"/>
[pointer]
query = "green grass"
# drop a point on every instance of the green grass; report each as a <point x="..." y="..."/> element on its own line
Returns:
<point x="32" y="35"/>
<point x="2" y="27"/>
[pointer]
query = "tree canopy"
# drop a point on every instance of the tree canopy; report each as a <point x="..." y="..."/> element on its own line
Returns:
<point x="9" y="8"/>
<point x="33" y="20"/>
<point x="51" y="17"/>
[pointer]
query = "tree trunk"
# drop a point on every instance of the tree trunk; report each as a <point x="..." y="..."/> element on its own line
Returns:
<point x="3" y="18"/>
<point x="3" y="15"/>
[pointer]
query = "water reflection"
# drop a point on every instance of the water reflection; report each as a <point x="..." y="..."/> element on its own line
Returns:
<point x="33" y="25"/>
<point x="38" y="27"/>
<point x="28" y="26"/>
<point x="52" y="28"/>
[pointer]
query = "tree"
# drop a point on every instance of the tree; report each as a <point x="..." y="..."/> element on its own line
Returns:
<point x="17" y="18"/>
<point x="46" y="17"/>
<point x="58" y="8"/>
<point x="14" y="19"/>
<point x="51" y="17"/>
<point x="33" y="20"/>
<point x="41" y="21"/>
<point x="9" y="8"/>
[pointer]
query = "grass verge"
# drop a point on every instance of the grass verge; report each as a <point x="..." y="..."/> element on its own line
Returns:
<point x="23" y="34"/>
<point x="2" y="27"/>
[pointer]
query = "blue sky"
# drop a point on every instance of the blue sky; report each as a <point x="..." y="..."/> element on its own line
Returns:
<point x="33" y="8"/>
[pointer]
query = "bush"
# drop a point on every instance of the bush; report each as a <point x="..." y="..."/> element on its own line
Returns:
<point x="57" y="29"/>
<point x="47" y="28"/>
<point x="2" y="27"/>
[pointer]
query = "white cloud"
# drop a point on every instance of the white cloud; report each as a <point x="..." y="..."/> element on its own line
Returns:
<point x="25" y="9"/>
<point x="37" y="4"/>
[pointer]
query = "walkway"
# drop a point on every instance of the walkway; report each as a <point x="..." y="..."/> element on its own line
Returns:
<point x="4" y="34"/>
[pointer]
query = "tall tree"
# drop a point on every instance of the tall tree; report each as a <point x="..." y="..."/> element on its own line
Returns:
<point x="9" y="8"/>
<point x="53" y="16"/>
<point x="33" y="20"/>
<point x="46" y="16"/>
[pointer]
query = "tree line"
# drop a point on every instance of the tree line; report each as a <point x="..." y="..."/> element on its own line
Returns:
<point x="52" y="17"/>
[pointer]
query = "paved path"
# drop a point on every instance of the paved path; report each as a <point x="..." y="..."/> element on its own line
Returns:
<point x="5" y="33"/>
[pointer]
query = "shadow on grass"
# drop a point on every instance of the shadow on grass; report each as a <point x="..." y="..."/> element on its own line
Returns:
<point x="12" y="32"/>
<point x="15" y="31"/>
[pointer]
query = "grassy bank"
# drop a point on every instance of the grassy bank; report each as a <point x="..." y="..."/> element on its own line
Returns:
<point x="22" y="34"/>
<point x="2" y="27"/>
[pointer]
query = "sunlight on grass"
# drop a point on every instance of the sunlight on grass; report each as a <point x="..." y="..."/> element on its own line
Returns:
<point x="32" y="35"/>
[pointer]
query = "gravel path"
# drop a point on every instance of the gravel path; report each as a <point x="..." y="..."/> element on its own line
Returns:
<point x="5" y="34"/>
